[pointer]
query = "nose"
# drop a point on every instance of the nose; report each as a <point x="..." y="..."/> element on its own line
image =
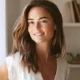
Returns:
<point x="37" y="26"/>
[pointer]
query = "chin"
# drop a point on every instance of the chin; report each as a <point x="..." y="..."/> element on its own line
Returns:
<point x="38" y="41"/>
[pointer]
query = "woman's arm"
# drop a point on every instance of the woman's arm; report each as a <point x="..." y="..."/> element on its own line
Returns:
<point x="3" y="72"/>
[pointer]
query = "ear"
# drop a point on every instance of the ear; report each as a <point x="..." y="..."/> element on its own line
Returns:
<point x="54" y="27"/>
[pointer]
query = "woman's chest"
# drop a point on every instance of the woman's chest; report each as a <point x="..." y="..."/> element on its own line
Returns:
<point x="48" y="70"/>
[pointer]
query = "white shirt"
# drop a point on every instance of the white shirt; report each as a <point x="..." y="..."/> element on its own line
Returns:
<point x="17" y="72"/>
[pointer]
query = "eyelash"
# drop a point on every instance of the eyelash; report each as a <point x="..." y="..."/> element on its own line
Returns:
<point x="31" y="22"/>
<point x="42" y="21"/>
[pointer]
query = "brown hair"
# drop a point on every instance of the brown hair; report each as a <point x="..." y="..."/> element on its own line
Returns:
<point x="22" y="41"/>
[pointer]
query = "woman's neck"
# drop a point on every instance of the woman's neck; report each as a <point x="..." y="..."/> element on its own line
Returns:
<point x="43" y="51"/>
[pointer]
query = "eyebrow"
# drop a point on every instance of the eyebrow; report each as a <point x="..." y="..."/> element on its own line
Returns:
<point x="39" y="18"/>
<point x="44" y="18"/>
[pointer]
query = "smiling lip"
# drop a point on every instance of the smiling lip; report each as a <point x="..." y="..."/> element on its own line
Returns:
<point x="38" y="34"/>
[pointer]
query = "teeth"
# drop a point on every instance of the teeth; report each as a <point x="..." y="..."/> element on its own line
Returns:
<point x="38" y="34"/>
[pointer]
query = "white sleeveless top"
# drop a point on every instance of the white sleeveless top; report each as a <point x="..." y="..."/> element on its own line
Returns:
<point x="17" y="72"/>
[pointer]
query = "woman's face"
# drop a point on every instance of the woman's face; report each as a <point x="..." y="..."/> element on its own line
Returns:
<point x="40" y="25"/>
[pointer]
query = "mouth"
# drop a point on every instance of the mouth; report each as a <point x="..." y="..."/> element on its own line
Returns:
<point x="38" y="34"/>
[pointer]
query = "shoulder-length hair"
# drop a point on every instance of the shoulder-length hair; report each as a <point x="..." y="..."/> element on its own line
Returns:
<point x="22" y="41"/>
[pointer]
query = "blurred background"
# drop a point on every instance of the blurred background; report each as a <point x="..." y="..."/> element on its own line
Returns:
<point x="10" y="11"/>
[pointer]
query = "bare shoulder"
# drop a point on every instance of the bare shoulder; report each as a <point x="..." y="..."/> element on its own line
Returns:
<point x="3" y="72"/>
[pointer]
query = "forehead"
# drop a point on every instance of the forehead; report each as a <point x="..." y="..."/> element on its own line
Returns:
<point x="38" y="12"/>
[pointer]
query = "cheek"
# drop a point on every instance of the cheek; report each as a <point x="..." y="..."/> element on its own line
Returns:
<point x="29" y="30"/>
<point x="50" y="30"/>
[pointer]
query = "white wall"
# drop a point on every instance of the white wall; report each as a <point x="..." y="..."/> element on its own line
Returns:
<point x="23" y="3"/>
<point x="78" y="1"/>
<point x="3" y="49"/>
<point x="12" y="13"/>
<point x="72" y="37"/>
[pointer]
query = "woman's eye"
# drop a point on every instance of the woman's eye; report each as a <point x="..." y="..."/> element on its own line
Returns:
<point x="44" y="21"/>
<point x="31" y="22"/>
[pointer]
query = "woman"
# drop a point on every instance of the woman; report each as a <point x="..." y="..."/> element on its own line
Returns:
<point x="38" y="45"/>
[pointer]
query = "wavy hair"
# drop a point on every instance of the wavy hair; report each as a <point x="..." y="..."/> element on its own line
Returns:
<point x="22" y="41"/>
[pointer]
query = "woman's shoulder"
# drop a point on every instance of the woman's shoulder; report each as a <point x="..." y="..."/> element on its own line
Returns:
<point x="62" y="65"/>
<point x="13" y="57"/>
<point x="13" y="63"/>
<point x="63" y="68"/>
<point x="62" y="61"/>
<point x="6" y="67"/>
